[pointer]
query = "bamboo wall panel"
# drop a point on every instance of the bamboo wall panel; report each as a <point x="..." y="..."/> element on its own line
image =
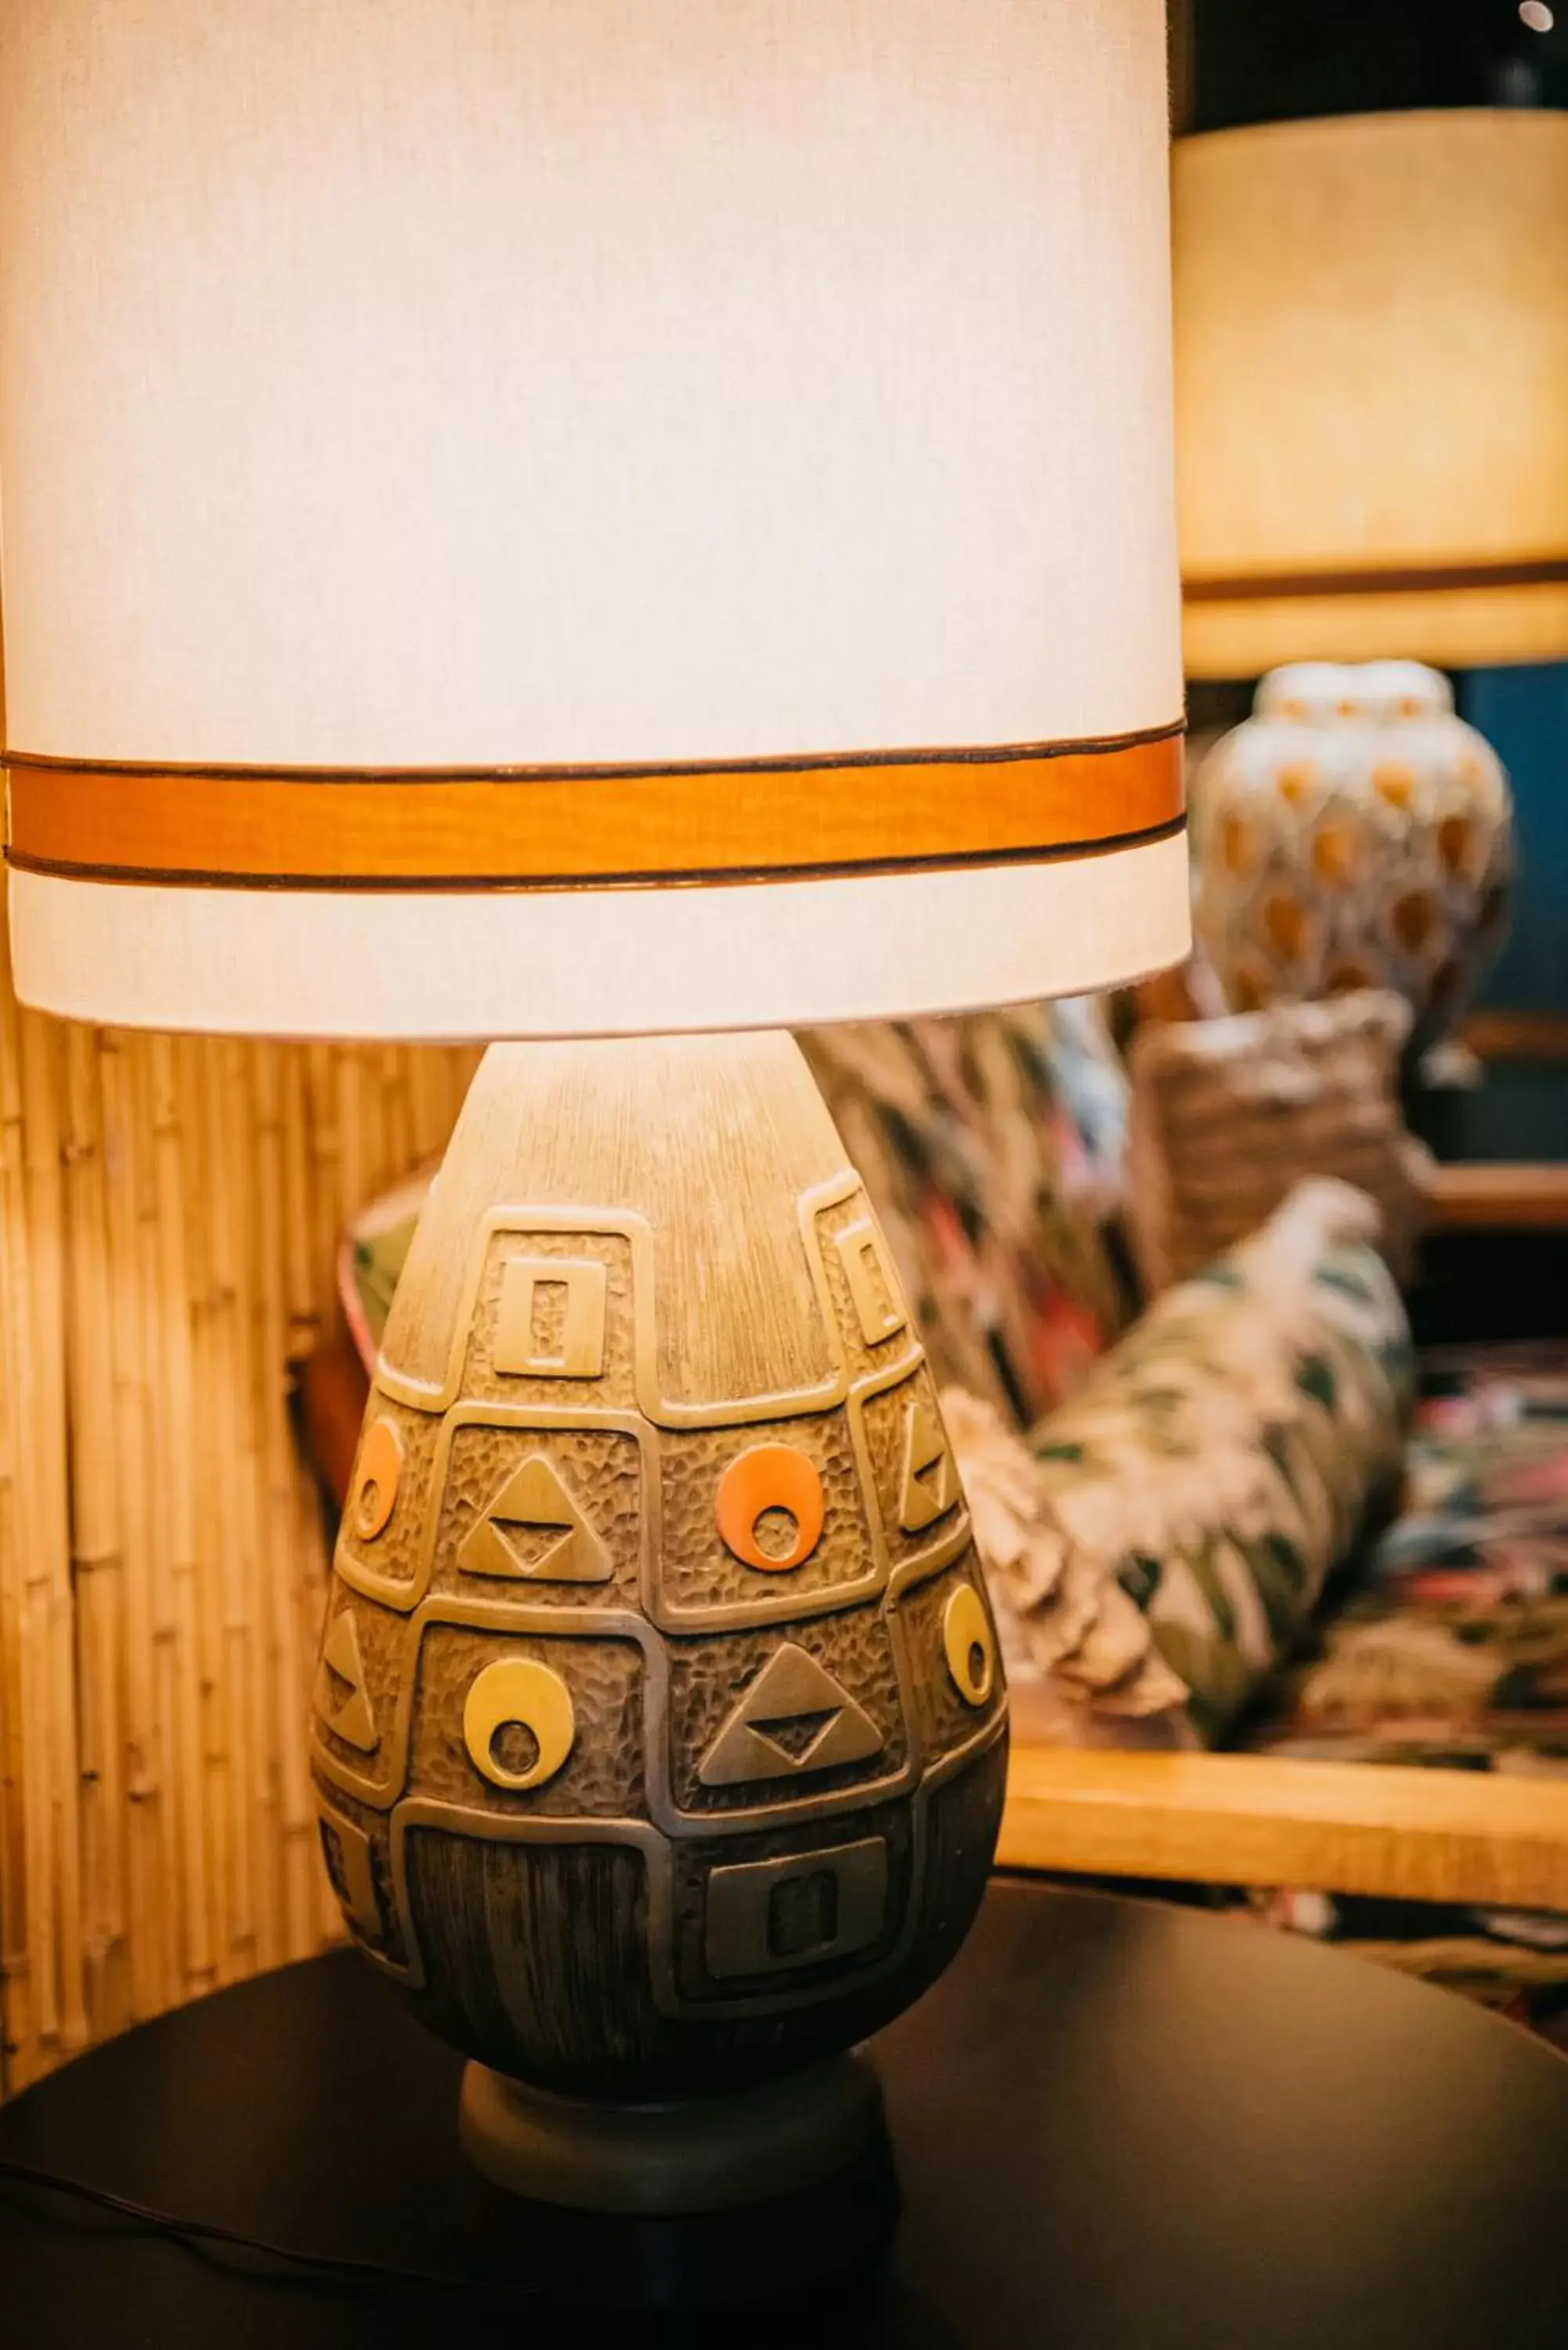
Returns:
<point x="170" y="1212"/>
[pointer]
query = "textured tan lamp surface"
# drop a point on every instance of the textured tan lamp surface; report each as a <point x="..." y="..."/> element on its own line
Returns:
<point x="588" y="518"/>
<point x="1372" y="357"/>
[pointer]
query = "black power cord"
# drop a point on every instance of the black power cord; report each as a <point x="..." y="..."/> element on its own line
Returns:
<point x="205" y="2238"/>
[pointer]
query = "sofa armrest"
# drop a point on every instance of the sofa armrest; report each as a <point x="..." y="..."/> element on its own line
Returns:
<point x="1245" y="1820"/>
<point x="333" y="1393"/>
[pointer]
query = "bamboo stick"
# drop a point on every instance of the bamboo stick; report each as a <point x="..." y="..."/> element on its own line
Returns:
<point x="323" y="1142"/>
<point x="176" y="1481"/>
<point x="301" y="1292"/>
<point x="227" y="1530"/>
<point x="153" y="1100"/>
<point x="96" y="1540"/>
<point x="259" y="1270"/>
<point x="277" y="1077"/>
<point x="397" y="1112"/>
<point x="37" y="1964"/>
<point x="57" y="1909"/>
<point x="16" y="1766"/>
<point x="211" y="1442"/>
<point x="430" y="1111"/>
<point x="359" y="1135"/>
<point x="147" y="1851"/>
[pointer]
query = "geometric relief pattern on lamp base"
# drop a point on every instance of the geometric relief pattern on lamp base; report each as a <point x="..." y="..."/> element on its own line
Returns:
<point x="652" y="1795"/>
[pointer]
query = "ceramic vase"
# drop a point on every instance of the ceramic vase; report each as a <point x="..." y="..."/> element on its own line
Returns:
<point x="1353" y="833"/>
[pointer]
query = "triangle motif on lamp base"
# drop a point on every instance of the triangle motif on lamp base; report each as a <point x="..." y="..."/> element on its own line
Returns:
<point x="533" y="1532"/>
<point x="350" y="1718"/>
<point x="795" y="1718"/>
<point x="930" y="1478"/>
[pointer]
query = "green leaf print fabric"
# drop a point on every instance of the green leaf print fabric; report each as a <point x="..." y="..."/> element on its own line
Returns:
<point x="1225" y="1458"/>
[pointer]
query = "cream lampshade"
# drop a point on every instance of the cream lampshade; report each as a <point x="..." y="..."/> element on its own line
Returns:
<point x="1372" y="367"/>
<point x="569" y="519"/>
<point x="465" y="467"/>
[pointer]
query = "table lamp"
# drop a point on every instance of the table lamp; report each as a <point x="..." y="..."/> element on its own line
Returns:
<point x="612" y="521"/>
<point x="1372" y="350"/>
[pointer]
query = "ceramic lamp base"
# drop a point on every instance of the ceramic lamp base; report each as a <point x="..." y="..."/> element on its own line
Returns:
<point x="779" y="2194"/>
<point x="660" y="1734"/>
<point x="676" y="2157"/>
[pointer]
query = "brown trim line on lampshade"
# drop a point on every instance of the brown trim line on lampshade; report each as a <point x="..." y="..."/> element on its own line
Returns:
<point x="524" y="827"/>
<point x="1259" y="588"/>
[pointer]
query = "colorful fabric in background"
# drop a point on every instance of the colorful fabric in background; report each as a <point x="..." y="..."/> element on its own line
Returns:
<point x="993" y="1148"/>
<point x="372" y="1257"/>
<point x="1227" y="1455"/>
<point x="1450" y="1648"/>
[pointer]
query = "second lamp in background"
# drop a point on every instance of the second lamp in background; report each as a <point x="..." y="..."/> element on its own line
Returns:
<point x="1371" y="347"/>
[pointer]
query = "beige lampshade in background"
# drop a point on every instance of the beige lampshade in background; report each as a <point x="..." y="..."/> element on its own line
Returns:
<point x="1372" y="390"/>
<point x="546" y="517"/>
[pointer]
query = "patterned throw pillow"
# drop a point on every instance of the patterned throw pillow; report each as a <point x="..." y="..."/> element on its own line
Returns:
<point x="993" y="1148"/>
<point x="1228" y="1113"/>
<point x="1209" y="1476"/>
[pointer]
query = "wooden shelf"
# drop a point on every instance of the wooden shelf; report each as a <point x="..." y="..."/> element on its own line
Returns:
<point x="1477" y="1195"/>
<point x="1253" y="1820"/>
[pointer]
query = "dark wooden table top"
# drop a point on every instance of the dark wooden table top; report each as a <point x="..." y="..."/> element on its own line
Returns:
<point x="1118" y="2128"/>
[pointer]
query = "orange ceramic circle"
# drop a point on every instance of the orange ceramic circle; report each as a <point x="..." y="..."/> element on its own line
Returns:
<point x="771" y="1477"/>
<point x="380" y="1467"/>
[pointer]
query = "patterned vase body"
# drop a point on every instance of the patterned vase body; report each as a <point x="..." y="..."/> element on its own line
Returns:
<point x="1353" y="833"/>
<point x="661" y="1732"/>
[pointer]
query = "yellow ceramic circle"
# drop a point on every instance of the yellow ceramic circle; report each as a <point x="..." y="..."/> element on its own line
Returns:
<point x="519" y="1690"/>
<point x="969" y="1645"/>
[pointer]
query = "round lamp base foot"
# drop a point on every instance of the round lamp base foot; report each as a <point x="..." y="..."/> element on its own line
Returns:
<point x="696" y="2202"/>
<point x="676" y="2157"/>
